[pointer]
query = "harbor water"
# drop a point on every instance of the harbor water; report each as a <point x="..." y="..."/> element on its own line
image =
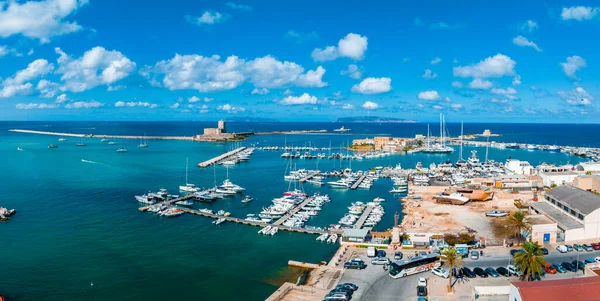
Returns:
<point x="78" y="235"/>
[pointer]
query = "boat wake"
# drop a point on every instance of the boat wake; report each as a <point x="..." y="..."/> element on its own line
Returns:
<point x="91" y="162"/>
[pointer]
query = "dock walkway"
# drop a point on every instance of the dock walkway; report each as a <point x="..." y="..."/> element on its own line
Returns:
<point x="220" y="157"/>
<point x="167" y="203"/>
<point x="291" y="213"/>
<point x="309" y="176"/>
<point x="355" y="185"/>
<point x="363" y="217"/>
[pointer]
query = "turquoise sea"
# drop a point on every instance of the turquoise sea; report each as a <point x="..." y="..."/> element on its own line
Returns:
<point x="77" y="223"/>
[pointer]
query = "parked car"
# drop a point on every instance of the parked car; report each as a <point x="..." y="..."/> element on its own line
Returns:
<point x="492" y="272"/>
<point x="422" y="299"/>
<point x="421" y="291"/>
<point x="568" y="266"/>
<point x="422" y="282"/>
<point x="440" y="272"/>
<point x="589" y="260"/>
<point x="545" y="251"/>
<point x="468" y="272"/>
<point x="474" y="255"/>
<point x="559" y="268"/>
<point x="398" y="255"/>
<point x="480" y="272"/>
<point x="352" y="286"/>
<point x="549" y="269"/>
<point x="578" y="264"/>
<point x="359" y="265"/>
<point x="562" y="249"/>
<point x="597" y="259"/>
<point x="587" y="248"/>
<point x="371" y="252"/>
<point x="515" y="251"/>
<point x="578" y="247"/>
<point x="569" y="248"/>
<point x="503" y="271"/>
<point x="423" y="253"/>
<point x="513" y="270"/>
<point x="333" y="296"/>
<point x="457" y="273"/>
<point x="381" y="253"/>
<point x="343" y="290"/>
<point x="595" y="246"/>
<point x="380" y="260"/>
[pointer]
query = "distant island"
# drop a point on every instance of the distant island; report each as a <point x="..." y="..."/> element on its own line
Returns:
<point x="374" y="119"/>
<point x="249" y="119"/>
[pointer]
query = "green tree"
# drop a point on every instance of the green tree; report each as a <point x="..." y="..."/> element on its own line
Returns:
<point x="530" y="261"/>
<point x="453" y="259"/>
<point x="518" y="223"/>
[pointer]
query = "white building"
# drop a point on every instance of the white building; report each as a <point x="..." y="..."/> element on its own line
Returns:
<point x="519" y="167"/>
<point x="592" y="167"/>
<point x="576" y="212"/>
<point x="559" y="175"/>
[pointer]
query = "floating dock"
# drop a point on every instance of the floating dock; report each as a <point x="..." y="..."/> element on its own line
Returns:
<point x="220" y="158"/>
<point x="309" y="176"/>
<point x="363" y="217"/>
<point x="355" y="185"/>
<point x="291" y="213"/>
<point x="167" y="203"/>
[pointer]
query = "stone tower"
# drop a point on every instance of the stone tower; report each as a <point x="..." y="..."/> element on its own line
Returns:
<point x="222" y="126"/>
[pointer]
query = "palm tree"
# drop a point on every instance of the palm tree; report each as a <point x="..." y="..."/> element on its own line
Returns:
<point x="454" y="259"/>
<point x="530" y="260"/>
<point x="518" y="223"/>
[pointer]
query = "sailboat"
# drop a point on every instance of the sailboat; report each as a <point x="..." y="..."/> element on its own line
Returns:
<point x="441" y="147"/>
<point x="188" y="187"/>
<point x="144" y="142"/>
<point x="80" y="143"/>
<point x="461" y="162"/>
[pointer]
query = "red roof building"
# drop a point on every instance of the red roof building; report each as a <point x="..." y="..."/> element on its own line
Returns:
<point x="575" y="289"/>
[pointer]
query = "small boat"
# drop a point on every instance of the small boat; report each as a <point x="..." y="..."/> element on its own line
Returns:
<point x="19" y="149"/>
<point x="219" y="221"/>
<point x="378" y="200"/>
<point x="247" y="199"/>
<point x="112" y="143"/>
<point x="121" y="150"/>
<point x="398" y="190"/>
<point x="496" y="213"/>
<point x="184" y="203"/>
<point x="52" y="146"/>
<point x="80" y="144"/>
<point x="323" y="237"/>
<point x="273" y="231"/>
<point x="332" y="239"/>
<point x="172" y="212"/>
<point x="62" y="139"/>
<point x="103" y="140"/>
<point x="221" y="212"/>
<point x="342" y="130"/>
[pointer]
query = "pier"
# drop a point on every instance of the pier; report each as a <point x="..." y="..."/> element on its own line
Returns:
<point x="102" y="136"/>
<point x="292" y="212"/>
<point x="363" y="217"/>
<point x="220" y="158"/>
<point x="355" y="185"/>
<point x="167" y="203"/>
<point x="309" y="176"/>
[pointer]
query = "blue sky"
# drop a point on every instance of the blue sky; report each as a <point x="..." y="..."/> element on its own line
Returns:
<point x="501" y="61"/>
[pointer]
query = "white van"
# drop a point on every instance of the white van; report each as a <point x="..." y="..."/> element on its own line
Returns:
<point x="371" y="252"/>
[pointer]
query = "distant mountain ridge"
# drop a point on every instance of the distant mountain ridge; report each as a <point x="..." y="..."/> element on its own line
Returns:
<point x="374" y="119"/>
<point x="250" y="119"/>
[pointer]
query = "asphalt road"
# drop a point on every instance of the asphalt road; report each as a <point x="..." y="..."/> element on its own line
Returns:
<point x="376" y="284"/>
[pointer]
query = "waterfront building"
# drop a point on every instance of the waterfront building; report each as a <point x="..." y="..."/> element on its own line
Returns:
<point x="576" y="212"/>
<point x="516" y="182"/>
<point x="585" y="288"/>
<point x="591" y="167"/>
<point x="360" y="142"/>
<point x="519" y="167"/>
<point x="588" y="182"/>
<point x="356" y="235"/>
<point x="381" y="141"/>
<point x="556" y="175"/>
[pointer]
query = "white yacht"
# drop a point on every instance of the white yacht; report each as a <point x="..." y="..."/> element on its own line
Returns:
<point x="188" y="187"/>
<point x="342" y="130"/>
<point x="121" y="150"/>
<point x="338" y="184"/>
<point x="473" y="161"/>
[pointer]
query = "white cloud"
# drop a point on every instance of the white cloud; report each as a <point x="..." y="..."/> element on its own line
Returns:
<point x="61" y="98"/>
<point x="133" y="104"/>
<point x="38" y="19"/>
<point x="496" y="100"/>
<point x="456" y="106"/>
<point x="436" y="60"/>
<point x="287" y="92"/>
<point x="352" y="46"/>
<point x="457" y="84"/>
<point x="229" y="108"/>
<point x="3" y="51"/>
<point x="303" y="99"/>
<point x="429" y="74"/>
<point x="47" y="88"/>
<point x="208" y="99"/>
<point x="523" y="42"/>
<point x="210" y="74"/>
<point x="347" y="106"/>
<point x="369" y="105"/>
<point x="373" y="85"/>
<point x="84" y="105"/>
<point x="300" y="37"/>
<point x="34" y="70"/>
<point x="16" y="89"/>
<point x="578" y="97"/>
<point x="528" y="26"/>
<point x="239" y="6"/>
<point x="260" y="91"/>
<point x="193" y="99"/>
<point x="572" y="65"/>
<point x="429" y="95"/>
<point x="516" y="80"/>
<point x="29" y="106"/>
<point x="480" y="84"/>
<point x="507" y="91"/>
<point x="353" y="71"/>
<point x="115" y="88"/>
<point x="579" y="13"/>
<point x="96" y="67"/>
<point x="497" y="66"/>
<point x="208" y="18"/>
<point x="174" y="106"/>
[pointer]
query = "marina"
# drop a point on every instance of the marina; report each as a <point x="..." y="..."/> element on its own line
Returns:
<point x="363" y="218"/>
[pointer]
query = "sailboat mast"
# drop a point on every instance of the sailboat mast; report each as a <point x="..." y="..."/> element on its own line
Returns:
<point x="441" y="133"/>
<point x="461" y="139"/>
<point x="428" y="135"/>
<point x="487" y="146"/>
<point x="186" y="170"/>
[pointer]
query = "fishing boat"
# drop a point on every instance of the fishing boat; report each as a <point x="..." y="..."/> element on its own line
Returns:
<point x="496" y="213"/>
<point x="121" y="150"/>
<point x="184" y="203"/>
<point x="52" y="146"/>
<point x="247" y="199"/>
<point x="219" y="221"/>
<point x="145" y="199"/>
<point x="188" y="187"/>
